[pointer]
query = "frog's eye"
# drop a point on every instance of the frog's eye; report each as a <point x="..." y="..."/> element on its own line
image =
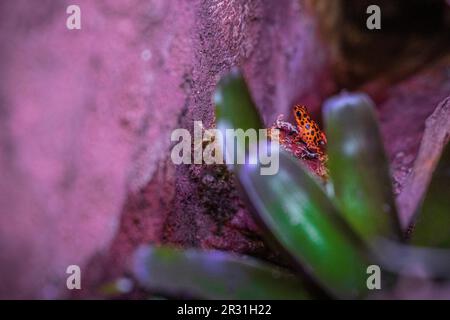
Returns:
<point x="299" y="114"/>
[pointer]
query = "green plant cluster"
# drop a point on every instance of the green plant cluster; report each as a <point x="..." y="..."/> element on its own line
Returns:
<point x="331" y="234"/>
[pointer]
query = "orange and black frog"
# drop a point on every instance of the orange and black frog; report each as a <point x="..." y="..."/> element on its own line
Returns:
<point x="306" y="132"/>
<point x="309" y="131"/>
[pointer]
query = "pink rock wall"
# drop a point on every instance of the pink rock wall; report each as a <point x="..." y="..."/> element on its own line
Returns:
<point x="86" y="117"/>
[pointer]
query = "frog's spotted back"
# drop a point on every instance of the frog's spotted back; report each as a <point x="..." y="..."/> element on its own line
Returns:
<point x="308" y="129"/>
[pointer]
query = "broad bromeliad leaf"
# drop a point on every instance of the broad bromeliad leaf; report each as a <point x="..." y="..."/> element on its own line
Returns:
<point x="298" y="215"/>
<point x="212" y="275"/>
<point x="292" y="206"/>
<point x="418" y="262"/>
<point x="235" y="110"/>
<point x="359" y="171"/>
<point x="234" y="104"/>
<point x="432" y="225"/>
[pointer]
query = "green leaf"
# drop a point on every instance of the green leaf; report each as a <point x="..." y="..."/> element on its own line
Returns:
<point x="359" y="171"/>
<point x="418" y="262"/>
<point x="236" y="112"/>
<point x="116" y="287"/>
<point x="432" y="227"/>
<point x="298" y="216"/>
<point x="234" y="105"/>
<point x="212" y="275"/>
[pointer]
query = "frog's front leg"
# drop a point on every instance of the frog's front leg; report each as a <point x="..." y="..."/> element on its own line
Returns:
<point x="307" y="154"/>
<point x="314" y="154"/>
<point x="285" y="126"/>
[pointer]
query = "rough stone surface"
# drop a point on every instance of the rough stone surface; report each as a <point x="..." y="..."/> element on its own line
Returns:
<point x="86" y="118"/>
<point x="436" y="136"/>
<point x="403" y="110"/>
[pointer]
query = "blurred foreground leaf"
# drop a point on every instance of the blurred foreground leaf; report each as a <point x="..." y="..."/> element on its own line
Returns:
<point x="359" y="171"/>
<point x="418" y="262"/>
<point x="235" y="110"/>
<point x="432" y="226"/>
<point x="296" y="211"/>
<point x="116" y="287"/>
<point x="234" y="105"/>
<point x="212" y="275"/>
